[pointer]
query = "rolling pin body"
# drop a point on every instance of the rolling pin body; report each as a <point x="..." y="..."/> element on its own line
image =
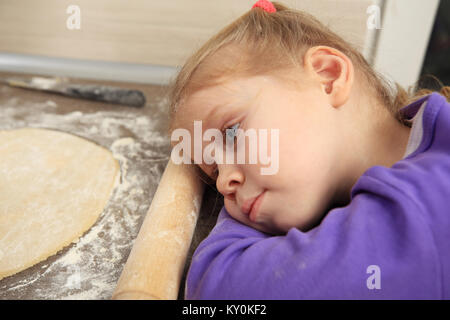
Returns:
<point x="155" y="265"/>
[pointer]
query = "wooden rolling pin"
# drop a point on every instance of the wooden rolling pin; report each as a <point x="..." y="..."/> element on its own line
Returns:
<point x="155" y="265"/>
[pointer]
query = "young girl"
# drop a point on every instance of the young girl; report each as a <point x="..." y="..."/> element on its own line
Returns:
<point x="359" y="206"/>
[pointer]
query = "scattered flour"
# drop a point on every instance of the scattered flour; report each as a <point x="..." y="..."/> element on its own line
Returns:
<point x="91" y="266"/>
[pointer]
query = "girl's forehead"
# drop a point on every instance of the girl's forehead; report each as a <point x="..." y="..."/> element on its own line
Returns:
<point x="215" y="103"/>
<point x="201" y="110"/>
<point x="230" y="91"/>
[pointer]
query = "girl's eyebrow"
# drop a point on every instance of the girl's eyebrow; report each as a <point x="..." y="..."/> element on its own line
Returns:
<point x="217" y="111"/>
<point x="221" y="109"/>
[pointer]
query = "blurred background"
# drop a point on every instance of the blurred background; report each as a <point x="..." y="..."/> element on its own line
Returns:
<point x="437" y="58"/>
<point x="146" y="41"/>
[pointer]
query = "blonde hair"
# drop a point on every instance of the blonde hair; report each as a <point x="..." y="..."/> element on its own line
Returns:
<point x="260" y="43"/>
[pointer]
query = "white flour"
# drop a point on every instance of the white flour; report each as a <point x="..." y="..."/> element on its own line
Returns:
<point x="90" y="268"/>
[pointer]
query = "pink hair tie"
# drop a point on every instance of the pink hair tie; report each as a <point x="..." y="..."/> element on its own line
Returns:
<point x="265" y="5"/>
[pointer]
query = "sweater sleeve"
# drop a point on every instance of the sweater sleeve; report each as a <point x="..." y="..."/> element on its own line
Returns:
<point x="377" y="247"/>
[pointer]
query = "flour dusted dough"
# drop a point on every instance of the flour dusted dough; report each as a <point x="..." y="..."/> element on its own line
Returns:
<point x="53" y="187"/>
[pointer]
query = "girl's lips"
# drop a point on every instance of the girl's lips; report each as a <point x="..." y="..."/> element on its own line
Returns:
<point x="254" y="210"/>
<point x="247" y="206"/>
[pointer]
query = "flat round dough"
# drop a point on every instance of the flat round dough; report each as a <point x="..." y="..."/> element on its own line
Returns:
<point x="53" y="188"/>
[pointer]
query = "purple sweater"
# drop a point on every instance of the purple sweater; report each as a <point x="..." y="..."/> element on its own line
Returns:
<point x="392" y="241"/>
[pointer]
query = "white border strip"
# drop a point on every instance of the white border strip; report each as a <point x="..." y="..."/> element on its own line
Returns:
<point x="87" y="69"/>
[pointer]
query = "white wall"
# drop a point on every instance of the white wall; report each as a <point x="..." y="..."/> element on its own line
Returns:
<point x="403" y="40"/>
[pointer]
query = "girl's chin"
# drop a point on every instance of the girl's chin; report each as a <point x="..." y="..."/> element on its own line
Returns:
<point x="244" y="219"/>
<point x="260" y="224"/>
<point x="267" y="228"/>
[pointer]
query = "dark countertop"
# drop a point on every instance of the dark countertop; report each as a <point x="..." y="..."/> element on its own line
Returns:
<point x="90" y="268"/>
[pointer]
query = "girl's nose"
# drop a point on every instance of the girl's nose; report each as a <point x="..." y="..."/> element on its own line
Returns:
<point x="229" y="179"/>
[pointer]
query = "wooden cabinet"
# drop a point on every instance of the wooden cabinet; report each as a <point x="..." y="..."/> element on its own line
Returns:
<point x="165" y="33"/>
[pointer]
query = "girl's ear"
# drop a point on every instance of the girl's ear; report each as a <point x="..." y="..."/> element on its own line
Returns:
<point x="333" y="70"/>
